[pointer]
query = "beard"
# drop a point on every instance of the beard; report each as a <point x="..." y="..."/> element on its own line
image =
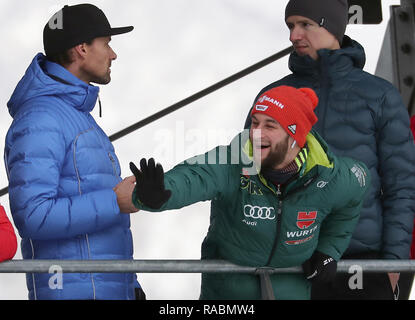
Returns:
<point x="276" y="155"/>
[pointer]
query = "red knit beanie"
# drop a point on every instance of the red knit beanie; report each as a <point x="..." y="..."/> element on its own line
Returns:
<point x="292" y="108"/>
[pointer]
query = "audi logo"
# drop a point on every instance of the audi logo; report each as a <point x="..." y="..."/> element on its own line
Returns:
<point x="256" y="212"/>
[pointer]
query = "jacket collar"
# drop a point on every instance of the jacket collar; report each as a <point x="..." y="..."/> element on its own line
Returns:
<point x="44" y="79"/>
<point x="86" y="94"/>
<point x="335" y="63"/>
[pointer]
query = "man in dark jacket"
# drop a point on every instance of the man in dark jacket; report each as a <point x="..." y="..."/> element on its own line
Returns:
<point x="64" y="177"/>
<point x="363" y="117"/>
<point x="299" y="205"/>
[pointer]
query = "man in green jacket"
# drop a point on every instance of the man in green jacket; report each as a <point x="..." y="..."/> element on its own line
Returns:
<point x="299" y="206"/>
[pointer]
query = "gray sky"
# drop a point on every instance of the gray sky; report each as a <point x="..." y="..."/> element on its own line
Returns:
<point x="178" y="47"/>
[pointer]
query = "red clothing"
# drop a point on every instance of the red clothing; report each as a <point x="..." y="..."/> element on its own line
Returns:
<point x="8" y="240"/>
<point x="413" y="233"/>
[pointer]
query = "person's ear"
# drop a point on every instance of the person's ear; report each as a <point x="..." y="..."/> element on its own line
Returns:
<point x="80" y="50"/>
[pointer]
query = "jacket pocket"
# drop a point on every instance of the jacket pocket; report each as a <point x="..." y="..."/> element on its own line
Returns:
<point x="95" y="164"/>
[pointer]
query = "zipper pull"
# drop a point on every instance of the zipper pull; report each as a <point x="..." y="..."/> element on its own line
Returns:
<point x="100" y="107"/>
<point x="279" y="190"/>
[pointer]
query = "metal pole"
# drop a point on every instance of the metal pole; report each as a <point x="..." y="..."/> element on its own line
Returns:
<point x="201" y="94"/>
<point x="186" y="266"/>
<point x="127" y="266"/>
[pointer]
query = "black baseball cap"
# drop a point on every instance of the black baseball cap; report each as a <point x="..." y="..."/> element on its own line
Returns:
<point x="73" y="25"/>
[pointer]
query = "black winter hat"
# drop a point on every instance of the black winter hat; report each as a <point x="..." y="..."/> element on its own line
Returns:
<point x="330" y="14"/>
<point x="73" y="25"/>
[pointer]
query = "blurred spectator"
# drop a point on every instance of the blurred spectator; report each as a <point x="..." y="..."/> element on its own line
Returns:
<point x="8" y="241"/>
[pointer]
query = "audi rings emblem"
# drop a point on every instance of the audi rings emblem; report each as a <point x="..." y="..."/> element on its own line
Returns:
<point x="256" y="212"/>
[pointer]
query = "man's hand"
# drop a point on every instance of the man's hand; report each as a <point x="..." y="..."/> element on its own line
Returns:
<point x="124" y="191"/>
<point x="150" y="184"/>
<point x="320" y="267"/>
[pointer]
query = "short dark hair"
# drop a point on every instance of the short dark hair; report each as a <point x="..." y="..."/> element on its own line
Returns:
<point x="64" y="58"/>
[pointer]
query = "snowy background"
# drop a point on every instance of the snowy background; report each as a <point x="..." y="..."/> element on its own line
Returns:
<point x="178" y="47"/>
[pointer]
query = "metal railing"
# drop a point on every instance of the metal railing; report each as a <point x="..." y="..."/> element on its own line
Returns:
<point x="187" y="266"/>
<point x="194" y="266"/>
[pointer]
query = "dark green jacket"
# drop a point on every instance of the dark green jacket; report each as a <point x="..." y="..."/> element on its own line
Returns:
<point x="255" y="224"/>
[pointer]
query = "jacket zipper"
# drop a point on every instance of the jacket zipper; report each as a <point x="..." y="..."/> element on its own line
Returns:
<point x="33" y="274"/>
<point x="89" y="258"/>
<point x="80" y="193"/>
<point x="113" y="163"/>
<point x="278" y="193"/>
<point x="324" y="93"/>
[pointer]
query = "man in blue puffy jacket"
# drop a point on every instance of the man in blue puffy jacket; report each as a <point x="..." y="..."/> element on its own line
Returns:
<point x="363" y="117"/>
<point x="64" y="176"/>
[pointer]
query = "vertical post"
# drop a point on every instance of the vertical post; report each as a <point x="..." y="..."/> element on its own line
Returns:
<point x="397" y="58"/>
<point x="267" y="292"/>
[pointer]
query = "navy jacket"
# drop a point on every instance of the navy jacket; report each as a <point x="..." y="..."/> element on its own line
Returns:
<point x="62" y="169"/>
<point x="363" y="117"/>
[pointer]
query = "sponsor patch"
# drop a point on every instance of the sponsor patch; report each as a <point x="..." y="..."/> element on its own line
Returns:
<point x="360" y="174"/>
<point x="261" y="107"/>
<point x="271" y="100"/>
<point x="299" y="241"/>
<point x="250" y="186"/>
<point x="306" y="219"/>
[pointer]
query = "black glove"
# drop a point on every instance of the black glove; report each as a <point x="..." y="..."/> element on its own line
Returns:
<point x="150" y="184"/>
<point x="320" y="267"/>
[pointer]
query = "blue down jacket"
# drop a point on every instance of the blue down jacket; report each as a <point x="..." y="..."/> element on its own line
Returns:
<point x="362" y="116"/>
<point x="62" y="169"/>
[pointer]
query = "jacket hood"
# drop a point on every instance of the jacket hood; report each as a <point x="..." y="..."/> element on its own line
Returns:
<point x="44" y="78"/>
<point x="351" y="54"/>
